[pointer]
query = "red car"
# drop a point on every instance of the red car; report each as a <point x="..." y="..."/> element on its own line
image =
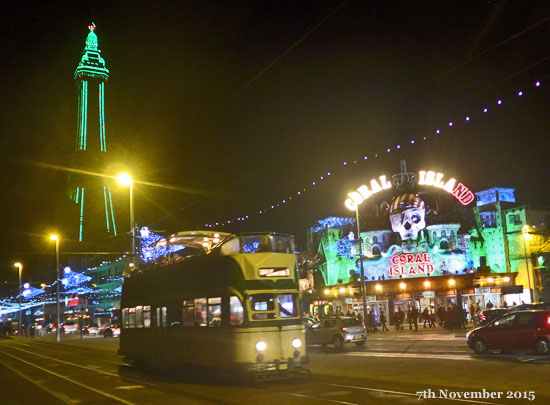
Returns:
<point x="522" y="330"/>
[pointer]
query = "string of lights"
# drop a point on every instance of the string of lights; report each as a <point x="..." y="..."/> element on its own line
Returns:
<point x="314" y="183"/>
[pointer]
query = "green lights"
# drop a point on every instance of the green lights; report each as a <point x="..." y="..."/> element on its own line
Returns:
<point x="106" y="207"/>
<point x="102" y="140"/>
<point x="112" y="212"/>
<point x="81" y="216"/>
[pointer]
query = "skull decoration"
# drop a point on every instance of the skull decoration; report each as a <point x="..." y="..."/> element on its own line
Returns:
<point x="407" y="216"/>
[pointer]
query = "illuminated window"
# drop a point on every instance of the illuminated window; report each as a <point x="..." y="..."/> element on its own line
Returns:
<point x="215" y="311"/>
<point x="163" y="317"/>
<point x="157" y="323"/>
<point x="188" y="313"/>
<point x="201" y="318"/>
<point x="132" y="318"/>
<point x="287" y="305"/>
<point x="235" y="311"/>
<point x="264" y="303"/>
<point x="139" y="317"/>
<point x="125" y="318"/>
<point x="146" y="316"/>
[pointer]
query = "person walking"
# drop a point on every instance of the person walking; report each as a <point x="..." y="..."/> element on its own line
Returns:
<point x="383" y="322"/>
<point x="426" y="317"/>
<point x="414" y="317"/>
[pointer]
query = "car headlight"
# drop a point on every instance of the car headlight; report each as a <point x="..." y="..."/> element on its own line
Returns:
<point x="296" y="343"/>
<point x="260" y="346"/>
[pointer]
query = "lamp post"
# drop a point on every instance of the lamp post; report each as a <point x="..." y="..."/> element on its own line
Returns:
<point x="43" y="285"/>
<point x="126" y="180"/>
<point x="58" y="326"/>
<point x="360" y="252"/>
<point x="525" y="234"/>
<point x="20" y="267"/>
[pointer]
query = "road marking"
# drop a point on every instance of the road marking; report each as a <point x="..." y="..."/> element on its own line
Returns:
<point x="149" y="384"/>
<point x="106" y="394"/>
<point x="62" y="397"/>
<point x="415" y="356"/>
<point x="406" y="393"/>
<point x="129" y="387"/>
<point x="321" y="399"/>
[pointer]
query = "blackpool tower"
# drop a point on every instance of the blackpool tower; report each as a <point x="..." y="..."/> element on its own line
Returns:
<point x="91" y="194"/>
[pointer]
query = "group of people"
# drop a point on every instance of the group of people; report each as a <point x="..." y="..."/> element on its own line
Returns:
<point x="452" y="317"/>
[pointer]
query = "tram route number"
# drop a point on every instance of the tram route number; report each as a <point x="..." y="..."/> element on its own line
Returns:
<point x="483" y="394"/>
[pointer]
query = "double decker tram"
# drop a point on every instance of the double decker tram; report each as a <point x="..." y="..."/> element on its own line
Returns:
<point x="234" y="307"/>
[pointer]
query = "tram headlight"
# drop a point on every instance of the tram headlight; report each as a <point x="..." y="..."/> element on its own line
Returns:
<point x="261" y="345"/>
<point x="296" y="343"/>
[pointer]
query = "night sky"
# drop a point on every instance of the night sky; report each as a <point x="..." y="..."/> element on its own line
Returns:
<point x="226" y="107"/>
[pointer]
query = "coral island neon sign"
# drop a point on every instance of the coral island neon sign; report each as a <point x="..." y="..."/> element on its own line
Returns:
<point x="425" y="178"/>
<point x="408" y="264"/>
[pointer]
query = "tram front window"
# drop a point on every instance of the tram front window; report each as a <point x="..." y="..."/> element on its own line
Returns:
<point x="264" y="306"/>
<point x="287" y="305"/>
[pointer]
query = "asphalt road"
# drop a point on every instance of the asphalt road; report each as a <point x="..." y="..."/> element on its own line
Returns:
<point x="390" y="369"/>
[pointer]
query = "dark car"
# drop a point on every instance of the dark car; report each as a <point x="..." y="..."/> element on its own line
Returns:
<point x="337" y="332"/>
<point x="521" y="330"/>
<point x="489" y="315"/>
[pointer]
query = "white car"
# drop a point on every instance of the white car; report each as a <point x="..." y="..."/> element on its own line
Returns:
<point x="70" y="327"/>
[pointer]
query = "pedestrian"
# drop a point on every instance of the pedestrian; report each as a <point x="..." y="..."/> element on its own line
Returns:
<point x="432" y="317"/>
<point x="383" y="322"/>
<point x="414" y="316"/>
<point x="489" y="305"/>
<point x="441" y="314"/>
<point x="426" y="317"/>
<point x="409" y="318"/>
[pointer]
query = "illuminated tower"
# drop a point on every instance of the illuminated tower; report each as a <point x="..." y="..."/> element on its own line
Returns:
<point x="91" y="194"/>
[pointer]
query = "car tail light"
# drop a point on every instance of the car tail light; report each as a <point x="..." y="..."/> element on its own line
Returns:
<point x="483" y="317"/>
<point x="345" y="329"/>
<point x="548" y="320"/>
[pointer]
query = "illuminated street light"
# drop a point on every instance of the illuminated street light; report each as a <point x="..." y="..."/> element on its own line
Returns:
<point x="126" y="180"/>
<point x="426" y="284"/>
<point x="57" y="328"/>
<point x="506" y="279"/>
<point x="451" y="282"/>
<point x="490" y="279"/>
<point x="20" y="267"/>
<point x="402" y="285"/>
<point x="327" y="291"/>
<point x="342" y="290"/>
<point x="378" y="287"/>
<point x="526" y="237"/>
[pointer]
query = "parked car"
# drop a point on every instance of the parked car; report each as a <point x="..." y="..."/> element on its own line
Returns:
<point x="521" y="330"/>
<point x="70" y="327"/>
<point x="111" y="331"/>
<point x="489" y="315"/>
<point x="92" y="330"/>
<point x="336" y="331"/>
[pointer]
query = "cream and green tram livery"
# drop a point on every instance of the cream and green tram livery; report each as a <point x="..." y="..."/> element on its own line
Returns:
<point x="233" y="307"/>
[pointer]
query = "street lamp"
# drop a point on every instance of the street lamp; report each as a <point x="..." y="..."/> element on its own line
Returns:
<point x="58" y="326"/>
<point x="525" y="233"/>
<point x="20" y="267"/>
<point x="126" y="180"/>
<point x="43" y="285"/>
